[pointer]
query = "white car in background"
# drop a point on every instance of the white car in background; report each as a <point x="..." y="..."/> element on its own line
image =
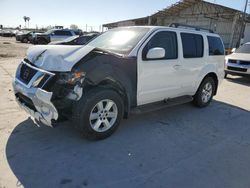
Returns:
<point x="238" y="63"/>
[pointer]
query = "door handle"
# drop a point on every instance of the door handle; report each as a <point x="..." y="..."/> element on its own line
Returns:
<point x="177" y="67"/>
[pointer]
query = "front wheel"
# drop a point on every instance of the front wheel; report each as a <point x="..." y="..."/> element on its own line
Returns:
<point x="205" y="93"/>
<point x="99" y="113"/>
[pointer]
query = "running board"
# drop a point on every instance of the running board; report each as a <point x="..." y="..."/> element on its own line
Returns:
<point x="160" y="105"/>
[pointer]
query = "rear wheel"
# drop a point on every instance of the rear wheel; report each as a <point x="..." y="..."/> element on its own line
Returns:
<point x="205" y="93"/>
<point x="25" y="40"/>
<point x="99" y="113"/>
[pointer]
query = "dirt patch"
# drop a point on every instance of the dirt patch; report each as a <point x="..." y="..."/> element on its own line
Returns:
<point x="9" y="48"/>
<point x="7" y="55"/>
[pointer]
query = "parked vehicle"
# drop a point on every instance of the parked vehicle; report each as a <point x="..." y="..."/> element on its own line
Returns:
<point x="53" y="35"/>
<point x="238" y="63"/>
<point x="25" y="36"/>
<point x="6" y="33"/>
<point x="124" y="70"/>
<point x="76" y="40"/>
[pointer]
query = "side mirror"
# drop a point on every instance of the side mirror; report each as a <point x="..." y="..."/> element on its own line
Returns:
<point x="156" y="53"/>
<point x="233" y="50"/>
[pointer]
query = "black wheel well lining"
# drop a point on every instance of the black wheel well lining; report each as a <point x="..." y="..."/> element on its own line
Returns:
<point x="116" y="86"/>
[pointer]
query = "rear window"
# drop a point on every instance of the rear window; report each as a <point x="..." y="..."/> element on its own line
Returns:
<point x="215" y="46"/>
<point x="193" y="45"/>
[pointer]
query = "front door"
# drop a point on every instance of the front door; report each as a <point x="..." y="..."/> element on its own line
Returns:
<point x="159" y="79"/>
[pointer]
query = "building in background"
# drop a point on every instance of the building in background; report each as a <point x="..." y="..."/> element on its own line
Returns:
<point x="227" y="22"/>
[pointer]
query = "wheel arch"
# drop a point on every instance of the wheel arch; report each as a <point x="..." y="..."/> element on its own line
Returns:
<point x="214" y="76"/>
<point x="110" y="83"/>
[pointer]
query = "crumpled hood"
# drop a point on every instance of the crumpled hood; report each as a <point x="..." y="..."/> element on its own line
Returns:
<point x="59" y="58"/>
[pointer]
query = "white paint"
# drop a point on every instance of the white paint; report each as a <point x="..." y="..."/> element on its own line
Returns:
<point x="59" y="58"/>
<point x="163" y="79"/>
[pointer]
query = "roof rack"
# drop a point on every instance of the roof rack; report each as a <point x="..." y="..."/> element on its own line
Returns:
<point x="184" y="26"/>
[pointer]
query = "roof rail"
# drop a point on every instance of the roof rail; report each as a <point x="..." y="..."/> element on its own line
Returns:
<point x="184" y="26"/>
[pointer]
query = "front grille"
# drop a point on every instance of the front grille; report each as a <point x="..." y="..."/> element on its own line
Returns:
<point x="44" y="81"/>
<point x="27" y="73"/>
<point x="244" y="62"/>
<point x="232" y="61"/>
<point x="26" y="101"/>
<point x="239" y="62"/>
<point x="237" y="69"/>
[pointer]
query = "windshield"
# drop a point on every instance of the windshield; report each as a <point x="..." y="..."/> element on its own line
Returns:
<point x="120" y="40"/>
<point x="48" y="32"/>
<point x="245" y="48"/>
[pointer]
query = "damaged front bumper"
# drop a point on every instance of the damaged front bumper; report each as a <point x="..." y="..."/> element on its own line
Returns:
<point x="36" y="102"/>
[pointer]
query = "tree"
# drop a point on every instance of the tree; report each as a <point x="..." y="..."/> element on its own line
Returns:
<point x="25" y="19"/>
<point x="73" y="26"/>
<point x="28" y="19"/>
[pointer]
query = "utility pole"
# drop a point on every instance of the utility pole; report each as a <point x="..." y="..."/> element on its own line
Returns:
<point x="245" y="12"/>
<point x="243" y="24"/>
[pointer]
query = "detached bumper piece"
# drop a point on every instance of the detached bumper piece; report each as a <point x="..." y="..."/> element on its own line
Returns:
<point x="34" y="100"/>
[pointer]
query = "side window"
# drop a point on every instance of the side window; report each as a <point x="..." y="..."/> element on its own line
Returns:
<point x="215" y="46"/>
<point x="63" y="33"/>
<point x="193" y="45"/>
<point x="163" y="39"/>
<point x="58" y="32"/>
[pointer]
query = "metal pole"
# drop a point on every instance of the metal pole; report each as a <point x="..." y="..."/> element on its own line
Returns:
<point x="245" y="11"/>
<point x="244" y="22"/>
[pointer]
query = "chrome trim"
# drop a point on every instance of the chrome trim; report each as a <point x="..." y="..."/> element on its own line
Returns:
<point x="39" y="73"/>
<point x="38" y="69"/>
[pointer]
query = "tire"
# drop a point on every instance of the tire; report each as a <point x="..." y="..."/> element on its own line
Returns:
<point x="103" y="122"/>
<point x="205" y="93"/>
<point x="42" y="42"/>
<point x="25" y="40"/>
<point x="225" y="75"/>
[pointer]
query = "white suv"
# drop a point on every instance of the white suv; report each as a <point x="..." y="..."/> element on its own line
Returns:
<point x="124" y="70"/>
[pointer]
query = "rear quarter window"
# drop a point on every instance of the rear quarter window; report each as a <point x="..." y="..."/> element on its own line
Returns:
<point x="215" y="46"/>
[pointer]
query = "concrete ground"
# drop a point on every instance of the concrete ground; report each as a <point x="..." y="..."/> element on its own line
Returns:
<point x="177" y="147"/>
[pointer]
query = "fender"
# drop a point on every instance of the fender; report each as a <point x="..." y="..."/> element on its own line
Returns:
<point x="100" y="67"/>
<point x="209" y="68"/>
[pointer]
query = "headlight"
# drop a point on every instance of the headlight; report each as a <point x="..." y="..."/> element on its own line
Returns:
<point x="71" y="77"/>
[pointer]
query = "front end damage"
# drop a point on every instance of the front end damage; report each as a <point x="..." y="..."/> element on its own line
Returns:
<point x="42" y="94"/>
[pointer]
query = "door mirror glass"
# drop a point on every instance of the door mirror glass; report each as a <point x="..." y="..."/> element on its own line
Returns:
<point x="156" y="53"/>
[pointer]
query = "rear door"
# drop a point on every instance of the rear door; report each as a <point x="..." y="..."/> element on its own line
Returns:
<point x="193" y="59"/>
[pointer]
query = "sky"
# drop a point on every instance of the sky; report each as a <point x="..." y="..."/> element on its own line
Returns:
<point x="81" y="12"/>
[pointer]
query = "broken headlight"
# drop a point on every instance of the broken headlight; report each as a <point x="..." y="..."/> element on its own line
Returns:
<point x="71" y="78"/>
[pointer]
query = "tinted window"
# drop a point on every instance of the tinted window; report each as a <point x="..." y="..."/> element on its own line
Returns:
<point x="192" y="45"/>
<point x="81" y="40"/>
<point x="77" y="32"/>
<point x="63" y="33"/>
<point x="163" y="39"/>
<point x="215" y="46"/>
